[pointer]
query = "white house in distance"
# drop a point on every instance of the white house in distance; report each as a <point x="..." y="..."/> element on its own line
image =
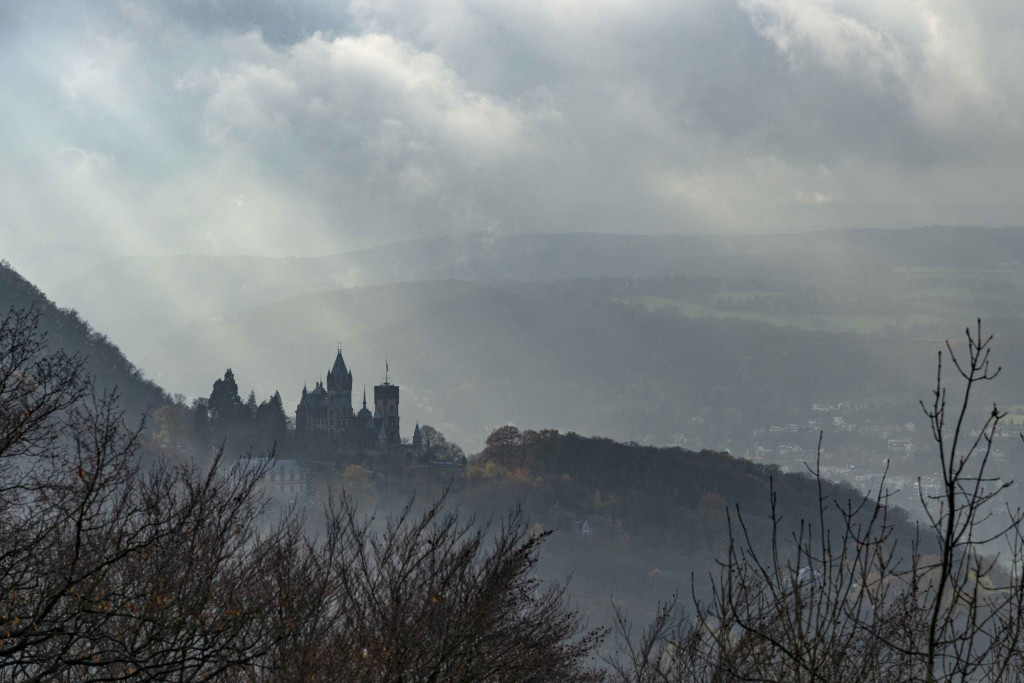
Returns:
<point x="282" y="479"/>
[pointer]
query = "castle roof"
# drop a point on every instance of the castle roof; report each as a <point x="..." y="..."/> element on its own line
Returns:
<point x="339" y="377"/>
<point x="339" y="368"/>
<point x="316" y="398"/>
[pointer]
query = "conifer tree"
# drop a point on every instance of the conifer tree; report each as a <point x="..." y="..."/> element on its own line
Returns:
<point x="225" y="405"/>
<point x="250" y="406"/>
<point x="271" y="423"/>
<point x="200" y="427"/>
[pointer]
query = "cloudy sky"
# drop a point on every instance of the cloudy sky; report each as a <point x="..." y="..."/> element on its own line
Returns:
<point x="313" y="126"/>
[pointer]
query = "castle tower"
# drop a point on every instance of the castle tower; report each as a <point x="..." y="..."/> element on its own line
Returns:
<point x="339" y="386"/>
<point x="385" y="401"/>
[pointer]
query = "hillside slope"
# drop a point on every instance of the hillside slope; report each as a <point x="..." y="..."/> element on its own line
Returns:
<point x="66" y="330"/>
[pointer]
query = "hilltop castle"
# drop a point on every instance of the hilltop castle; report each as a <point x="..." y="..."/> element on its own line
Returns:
<point x="328" y="411"/>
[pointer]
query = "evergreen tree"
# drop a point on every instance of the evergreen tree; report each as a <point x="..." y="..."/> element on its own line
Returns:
<point x="251" y="406"/>
<point x="200" y="425"/>
<point x="225" y="405"/>
<point x="271" y="421"/>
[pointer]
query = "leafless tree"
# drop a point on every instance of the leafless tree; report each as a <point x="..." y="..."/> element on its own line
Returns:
<point x="425" y="598"/>
<point x="861" y="604"/>
<point x="113" y="567"/>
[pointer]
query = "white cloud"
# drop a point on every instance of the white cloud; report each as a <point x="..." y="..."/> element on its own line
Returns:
<point x="83" y="162"/>
<point x="912" y="48"/>
<point x="348" y="124"/>
<point x="813" y="197"/>
<point x="816" y="31"/>
<point x="354" y="90"/>
<point x="742" y="192"/>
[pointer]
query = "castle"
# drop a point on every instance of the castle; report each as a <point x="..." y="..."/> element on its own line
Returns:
<point x="328" y="411"/>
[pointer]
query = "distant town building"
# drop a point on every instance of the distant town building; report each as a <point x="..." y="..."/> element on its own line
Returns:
<point x="282" y="479"/>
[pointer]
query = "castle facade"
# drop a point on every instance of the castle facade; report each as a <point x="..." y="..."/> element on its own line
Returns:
<point x="327" y="410"/>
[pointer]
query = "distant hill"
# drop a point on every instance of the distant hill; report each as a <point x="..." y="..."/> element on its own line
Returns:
<point x="535" y="257"/>
<point x="159" y="295"/>
<point x="653" y="516"/>
<point x="66" y="330"/>
<point x="635" y="337"/>
<point x="471" y="356"/>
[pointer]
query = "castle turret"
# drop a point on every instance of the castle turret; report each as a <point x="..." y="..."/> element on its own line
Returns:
<point x="385" y="399"/>
<point x="364" y="416"/>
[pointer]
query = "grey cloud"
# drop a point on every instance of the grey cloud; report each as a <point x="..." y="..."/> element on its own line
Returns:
<point x="299" y="127"/>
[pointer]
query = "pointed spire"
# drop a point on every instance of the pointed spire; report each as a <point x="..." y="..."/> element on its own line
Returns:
<point x="364" y="396"/>
<point x="339" y="377"/>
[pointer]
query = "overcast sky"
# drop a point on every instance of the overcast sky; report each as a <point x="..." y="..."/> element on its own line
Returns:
<point x="313" y="126"/>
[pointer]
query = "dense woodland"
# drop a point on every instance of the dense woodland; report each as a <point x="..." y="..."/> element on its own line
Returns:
<point x="636" y="521"/>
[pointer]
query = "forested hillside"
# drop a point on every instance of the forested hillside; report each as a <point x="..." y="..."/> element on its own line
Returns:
<point x="66" y="330"/>
<point x="653" y="517"/>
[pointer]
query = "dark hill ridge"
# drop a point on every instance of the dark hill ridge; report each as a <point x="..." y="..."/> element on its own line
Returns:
<point x="66" y="330"/>
<point x="655" y="516"/>
<point x="659" y="486"/>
